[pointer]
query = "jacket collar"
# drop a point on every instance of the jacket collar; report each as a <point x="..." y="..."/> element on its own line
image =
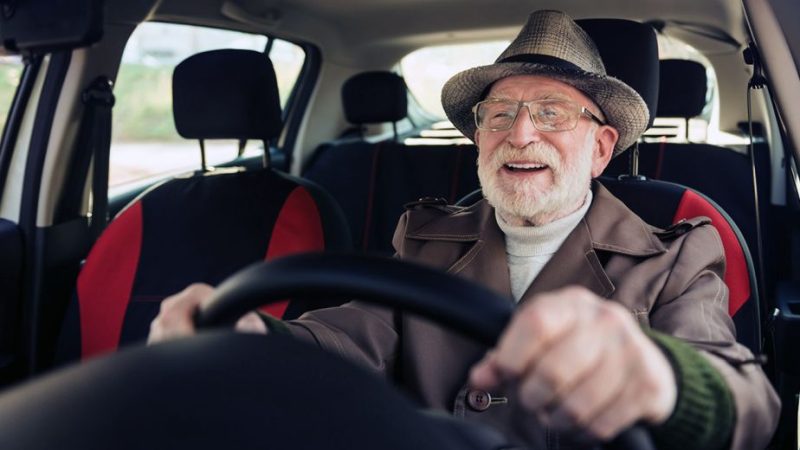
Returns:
<point x="608" y="227"/>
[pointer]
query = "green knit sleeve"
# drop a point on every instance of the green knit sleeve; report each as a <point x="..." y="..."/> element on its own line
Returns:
<point x="704" y="414"/>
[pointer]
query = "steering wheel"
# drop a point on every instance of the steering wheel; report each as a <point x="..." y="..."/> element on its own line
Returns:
<point x="479" y="313"/>
<point x="220" y="389"/>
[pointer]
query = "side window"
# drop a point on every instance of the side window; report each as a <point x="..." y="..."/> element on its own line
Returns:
<point x="145" y="144"/>
<point x="288" y="59"/>
<point x="427" y="70"/>
<point x="10" y="73"/>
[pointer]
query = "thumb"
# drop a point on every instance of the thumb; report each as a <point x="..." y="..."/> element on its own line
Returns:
<point x="485" y="374"/>
<point x="251" y="323"/>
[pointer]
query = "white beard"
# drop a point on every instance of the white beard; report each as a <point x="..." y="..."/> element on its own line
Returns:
<point x="524" y="201"/>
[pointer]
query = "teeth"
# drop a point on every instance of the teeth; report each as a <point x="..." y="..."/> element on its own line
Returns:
<point x="526" y="166"/>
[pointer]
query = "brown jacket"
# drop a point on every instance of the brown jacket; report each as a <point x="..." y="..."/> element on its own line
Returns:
<point x="669" y="281"/>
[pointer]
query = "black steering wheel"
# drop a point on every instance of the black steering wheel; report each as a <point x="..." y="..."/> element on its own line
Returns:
<point x="220" y="389"/>
<point x="479" y="313"/>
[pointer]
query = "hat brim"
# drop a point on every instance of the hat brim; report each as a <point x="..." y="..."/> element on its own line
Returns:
<point x="623" y="107"/>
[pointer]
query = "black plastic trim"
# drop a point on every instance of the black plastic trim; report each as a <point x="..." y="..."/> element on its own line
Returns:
<point x="34" y="241"/>
<point x="298" y="101"/>
<point x="11" y="288"/>
<point x="15" y="115"/>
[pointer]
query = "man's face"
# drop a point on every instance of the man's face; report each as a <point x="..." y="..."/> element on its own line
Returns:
<point x="532" y="176"/>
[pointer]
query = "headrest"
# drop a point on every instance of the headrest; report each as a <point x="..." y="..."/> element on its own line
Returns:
<point x="683" y="88"/>
<point x="629" y="51"/>
<point x="375" y="97"/>
<point x="226" y="94"/>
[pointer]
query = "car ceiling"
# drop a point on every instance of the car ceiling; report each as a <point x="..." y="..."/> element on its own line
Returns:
<point x="359" y="35"/>
<point x="350" y="31"/>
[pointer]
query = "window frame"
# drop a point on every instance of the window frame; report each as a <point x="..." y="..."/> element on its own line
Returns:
<point x="11" y="128"/>
<point x="292" y="113"/>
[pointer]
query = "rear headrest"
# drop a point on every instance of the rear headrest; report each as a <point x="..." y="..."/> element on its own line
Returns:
<point x="683" y="88"/>
<point x="226" y="94"/>
<point x="630" y="53"/>
<point x="375" y="97"/>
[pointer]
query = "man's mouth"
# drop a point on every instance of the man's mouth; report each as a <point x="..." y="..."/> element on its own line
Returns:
<point x="524" y="167"/>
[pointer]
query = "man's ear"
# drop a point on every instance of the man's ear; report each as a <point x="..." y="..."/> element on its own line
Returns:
<point x="605" y="139"/>
<point x="477" y="137"/>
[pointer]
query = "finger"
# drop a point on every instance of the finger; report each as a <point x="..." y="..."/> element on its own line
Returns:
<point x="251" y="323"/>
<point x="613" y="342"/>
<point x="484" y="374"/>
<point x="534" y="328"/>
<point x="561" y="367"/>
<point x="585" y="400"/>
<point x="175" y="315"/>
<point x="620" y="414"/>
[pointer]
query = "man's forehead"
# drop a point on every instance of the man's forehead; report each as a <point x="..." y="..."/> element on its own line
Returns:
<point x="535" y="85"/>
<point x="538" y="87"/>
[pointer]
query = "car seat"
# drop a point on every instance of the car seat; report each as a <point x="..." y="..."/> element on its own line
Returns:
<point x="383" y="176"/>
<point x="205" y="226"/>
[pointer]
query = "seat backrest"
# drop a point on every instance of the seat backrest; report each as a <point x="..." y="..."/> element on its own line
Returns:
<point x="723" y="174"/>
<point x="372" y="181"/>
<point x="680" y="91"/>
<point x="204" y="227"/>
<point x="675" y="203"/>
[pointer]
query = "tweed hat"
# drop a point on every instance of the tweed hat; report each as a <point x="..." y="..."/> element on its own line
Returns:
<point x="553" y="45"/>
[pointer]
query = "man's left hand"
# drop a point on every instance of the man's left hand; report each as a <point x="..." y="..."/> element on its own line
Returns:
<point x="580" y="363"/>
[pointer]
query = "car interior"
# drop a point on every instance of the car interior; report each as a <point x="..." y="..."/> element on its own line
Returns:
<point x="151" y="144"/>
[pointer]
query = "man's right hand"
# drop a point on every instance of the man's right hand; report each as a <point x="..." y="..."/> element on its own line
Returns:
<point x="175" y="317"/>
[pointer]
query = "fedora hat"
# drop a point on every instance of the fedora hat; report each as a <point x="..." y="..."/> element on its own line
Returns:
<point x="551" y="44"/>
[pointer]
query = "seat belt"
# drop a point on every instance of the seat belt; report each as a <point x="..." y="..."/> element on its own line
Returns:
<point x="95" y="136"/>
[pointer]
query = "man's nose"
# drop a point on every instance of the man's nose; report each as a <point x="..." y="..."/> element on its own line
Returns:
<point x="523" y="132"/>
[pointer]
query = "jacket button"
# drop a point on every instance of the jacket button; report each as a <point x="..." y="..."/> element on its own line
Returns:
<point x="482" y="400"/>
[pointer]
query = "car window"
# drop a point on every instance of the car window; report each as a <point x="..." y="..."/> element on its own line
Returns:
<point x="145" y="144"/>
<point x="10" y="73"/>
<point x="427" y="69"/>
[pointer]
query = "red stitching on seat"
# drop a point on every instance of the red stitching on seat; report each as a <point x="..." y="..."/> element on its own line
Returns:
<point x="370" y="198"/>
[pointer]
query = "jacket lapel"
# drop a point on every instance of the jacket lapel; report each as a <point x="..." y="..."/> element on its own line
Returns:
<point x="481" y="246"/>
<point x="608" y="227"/>
<point x="575" y="263"/>
<point x="488" y="265"/>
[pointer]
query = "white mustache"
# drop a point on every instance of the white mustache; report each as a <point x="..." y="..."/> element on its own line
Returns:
<point x="540" y="152"/>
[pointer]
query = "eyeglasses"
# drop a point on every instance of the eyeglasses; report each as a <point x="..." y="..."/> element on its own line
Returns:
<point x="546" y="115"/>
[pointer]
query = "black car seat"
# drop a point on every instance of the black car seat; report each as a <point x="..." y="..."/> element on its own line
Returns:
<point x="665" y="204"/>
<point x="373" y="180"/>
<point x="203" y="227"/>
<point x="676" y="204"/>
<point x="723" y="174"/>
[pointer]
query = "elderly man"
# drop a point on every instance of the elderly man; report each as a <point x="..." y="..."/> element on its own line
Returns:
<point x="617" y="323"/>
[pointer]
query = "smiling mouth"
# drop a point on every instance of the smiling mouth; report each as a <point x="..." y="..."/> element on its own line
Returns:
<point x="512" y="167"/>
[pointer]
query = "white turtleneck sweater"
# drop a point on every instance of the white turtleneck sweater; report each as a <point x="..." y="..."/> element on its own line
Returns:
<point x="528" y="248"/>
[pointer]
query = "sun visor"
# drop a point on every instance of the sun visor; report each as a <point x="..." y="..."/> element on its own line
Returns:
<point x="48" y="25"/>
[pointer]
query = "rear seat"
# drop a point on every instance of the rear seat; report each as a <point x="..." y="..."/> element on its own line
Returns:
<point x="723" y="174"/>
<point x="381" y="177"/>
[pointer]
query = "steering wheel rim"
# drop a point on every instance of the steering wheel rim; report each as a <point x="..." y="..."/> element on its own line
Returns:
<point x="479" y="313"/>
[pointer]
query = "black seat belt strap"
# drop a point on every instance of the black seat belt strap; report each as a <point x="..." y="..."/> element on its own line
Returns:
<point x="98" y="100"/>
